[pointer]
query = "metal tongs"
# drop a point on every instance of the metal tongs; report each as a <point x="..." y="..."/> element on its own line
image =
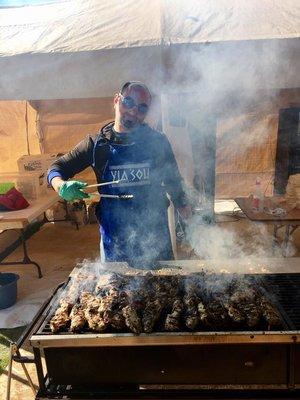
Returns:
<point x="102" y="184"/>
<point x="109" y="196"/>
<point x="116" y="196"/>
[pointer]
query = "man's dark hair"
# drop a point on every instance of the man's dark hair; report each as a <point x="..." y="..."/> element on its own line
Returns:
<point x="136" y="84"/>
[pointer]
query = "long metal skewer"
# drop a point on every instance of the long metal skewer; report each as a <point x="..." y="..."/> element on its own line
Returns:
<point x="102" y="184"/>
<point x="118" y="196"/>
<point x="113" y="196"/>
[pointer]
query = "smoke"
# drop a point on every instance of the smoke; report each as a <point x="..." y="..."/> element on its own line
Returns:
<point x="220" y="109"/>
<point x="242" y="250"/>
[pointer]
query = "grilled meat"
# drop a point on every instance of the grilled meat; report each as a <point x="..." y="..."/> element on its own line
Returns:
<point x="237" y="315"/>
<point x="89" y="299"/>
<point x="161" y="294"/>
<point x="143" y="303"/>
<point x="270" y="314"/>
<point x="191" y="318"/>
<point x="132" y="320"/>
<point x="61" y="317"/>
<point x="217" y="315"/>
<point x="242" y="306"/>
<point x="92" y="308"/>
<point x="115" y="319"/>
<point x="253" y="314"/>
<point x="202" y="313"/>
<point x="172" y="322"/>
<point x="151" y="314"/>
<point x="110" y="281"/>
<point x="77" y="317"/>
<point x="95" y="320"/>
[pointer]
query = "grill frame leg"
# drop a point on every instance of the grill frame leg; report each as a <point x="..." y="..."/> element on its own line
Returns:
<point x="14" y="352"/>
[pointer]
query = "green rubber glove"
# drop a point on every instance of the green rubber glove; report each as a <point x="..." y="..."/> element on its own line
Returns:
<point x="71" y="191"/>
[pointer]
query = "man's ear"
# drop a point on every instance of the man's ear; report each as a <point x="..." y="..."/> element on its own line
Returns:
<point x="116" y="98"/>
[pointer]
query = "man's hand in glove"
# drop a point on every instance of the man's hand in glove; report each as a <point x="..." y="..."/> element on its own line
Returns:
<point x="72" y="190"/>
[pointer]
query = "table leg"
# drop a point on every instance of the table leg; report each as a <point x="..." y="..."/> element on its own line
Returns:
<point x="275" y="238"/>
<point x="67" y="218"/>
<point x="294" y="227"/>
<point x="286" y="240"/>
<point x="26" y="258"/>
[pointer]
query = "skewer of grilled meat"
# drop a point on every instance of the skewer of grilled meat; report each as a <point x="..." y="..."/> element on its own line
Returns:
<point x="237" y="315"/>
<point x="110" y="281"/>
<point x="77" y="317"/>
<point x="217" y="314"/>
<point x="191" y="300"/>
<point x="135" y="301"/>
<point x="61" y="317"/>
<point x="121" y="300"/>
<point x="270" y="314"/>
<point x="253" y="315"/>
<point x="202" y="313"/>
<point x="111" y="309"/>
<point x="162" y="294"/>
<point x="110" y="289"/>
<point x="242" y="306"/>
<point x="97" y="310"/>
<point x="92" y="308"/>
<point x="151" y="314"/>
<point x="172" y="322"/>
<point x="191" y="318"/>
<point x="132" y="320"/>
<point x="235" y="307"/>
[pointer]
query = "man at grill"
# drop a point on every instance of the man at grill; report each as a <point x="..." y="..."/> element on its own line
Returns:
<point x="135" y="228"/>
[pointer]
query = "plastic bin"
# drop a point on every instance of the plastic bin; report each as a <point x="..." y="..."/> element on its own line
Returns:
<point x="32" y="185"/>
<point x="8" y="289"/>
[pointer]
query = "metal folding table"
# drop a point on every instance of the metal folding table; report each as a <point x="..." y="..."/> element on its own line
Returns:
<point x="290" y="220"/>
<point x="19" y="220"/>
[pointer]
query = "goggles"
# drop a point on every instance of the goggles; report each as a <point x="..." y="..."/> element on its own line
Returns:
<point x="129" y="103"/>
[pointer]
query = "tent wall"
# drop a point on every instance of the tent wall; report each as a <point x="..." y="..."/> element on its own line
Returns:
<point x="246" y="145"/>
<point x="17" y="133"/>
<point x="64" y="123"/>
<point x="246" y="138"/>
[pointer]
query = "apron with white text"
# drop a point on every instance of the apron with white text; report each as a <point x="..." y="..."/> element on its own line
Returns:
<point x="134" y="230"/>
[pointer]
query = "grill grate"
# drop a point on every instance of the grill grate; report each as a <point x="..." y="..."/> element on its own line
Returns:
<point x="286" y="289"/>
<point x="282" y="289"/>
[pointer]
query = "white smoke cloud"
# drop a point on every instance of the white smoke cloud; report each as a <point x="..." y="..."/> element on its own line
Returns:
<point x="246" y="246"/>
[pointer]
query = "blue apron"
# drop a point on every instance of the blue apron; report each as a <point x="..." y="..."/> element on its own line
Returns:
<point x="134" y="230"/>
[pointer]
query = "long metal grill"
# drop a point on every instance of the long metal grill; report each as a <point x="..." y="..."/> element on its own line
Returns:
<point x="188" y="365"/>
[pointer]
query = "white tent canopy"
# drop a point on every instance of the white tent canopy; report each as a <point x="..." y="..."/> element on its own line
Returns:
<point x="235" y="60"/>
<point x="91" y="25"/>
<point x="86" y="48"/>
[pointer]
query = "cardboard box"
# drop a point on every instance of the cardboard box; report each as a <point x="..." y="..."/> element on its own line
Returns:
<point x="35" y="163"/>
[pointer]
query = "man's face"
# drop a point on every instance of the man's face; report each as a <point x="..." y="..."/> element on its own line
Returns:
<point x="131" y="107"/>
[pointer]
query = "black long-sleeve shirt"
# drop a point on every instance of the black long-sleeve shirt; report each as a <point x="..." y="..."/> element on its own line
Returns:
<point x="82" y="156"/>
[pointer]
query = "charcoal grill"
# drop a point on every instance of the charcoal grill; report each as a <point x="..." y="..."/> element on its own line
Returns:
<point x="261" y="364"/>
